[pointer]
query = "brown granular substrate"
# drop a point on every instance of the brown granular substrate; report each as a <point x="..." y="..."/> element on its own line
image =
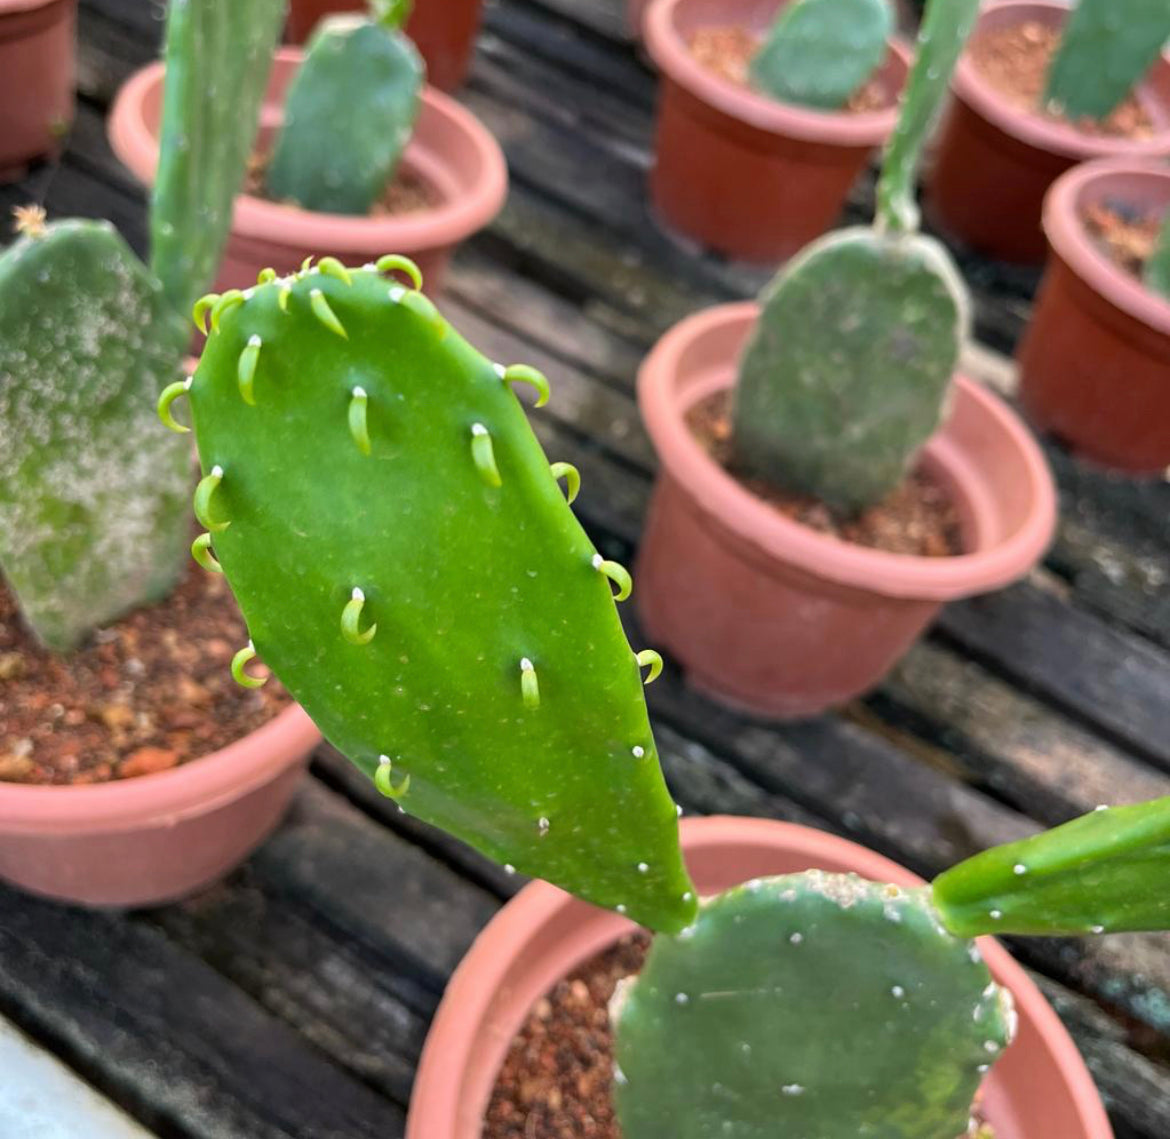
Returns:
<point x="918" y="518"/>
<point x="408" y="193"/>
<point x="1125" y="235"/>
<point x="1015" y="62"/>
<point x="556" y="1081"/>
<point x="727" y="51"/>
<point x="146" y="694"/>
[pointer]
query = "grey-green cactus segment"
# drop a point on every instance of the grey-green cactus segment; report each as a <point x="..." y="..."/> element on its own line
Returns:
<point x="217" y="55"/>
<point x="93" y="496"/>
<point x="1157" y="270"/>
<point x="849" y="365"/>
<point x="350" y="112"/>
<point x="1105" y="51"/>
<point x="945" y="27"/>
<point x="812" y="1004"/>
<point x="1105" y="872"/>
<point x="408" y="566"/>
<point x="818" y="53"/>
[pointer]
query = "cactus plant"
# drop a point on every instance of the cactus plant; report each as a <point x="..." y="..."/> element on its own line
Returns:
<point x="409" y="568"/>
<point x="847" y="371"/>
<point x="1106" y="49"/>
<point x="822" y="1004"/>
<point x="819" y="52"/>
<point x="1157" y="269"/>
<point x="349" y="114"/>
<point x="89" y="337"/>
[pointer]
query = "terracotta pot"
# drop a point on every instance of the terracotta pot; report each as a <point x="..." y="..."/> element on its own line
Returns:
<point x="154" y="838"/>
<point x="36" y="79"/>
<point x="989" y="151"/>
<point x="743" y="174"/>
<point x="1095" y="360"/>
<point x="635" y="14"/>
<point x="444" y="31"/>
<point x="1040" y="1087"/>
<point x="775" y="618"/>
<point x="450" y="151"/>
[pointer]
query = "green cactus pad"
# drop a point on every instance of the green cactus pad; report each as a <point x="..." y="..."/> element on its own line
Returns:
<point x="819" y="52"/>
<point x="814" y="1004"/>
<point x="1157" y="271"/>
<point x="349" y="114"/>
<point x="93" y="518"/>
<point x="847" y="370"/>
<point x="410" y="569"/>
<point x="1105" y="872"/>
<point x="218" y="54"/>
<point x="1106" y="50"/>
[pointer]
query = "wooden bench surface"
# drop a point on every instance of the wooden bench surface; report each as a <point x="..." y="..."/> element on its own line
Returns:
<point x="293" y="999"/>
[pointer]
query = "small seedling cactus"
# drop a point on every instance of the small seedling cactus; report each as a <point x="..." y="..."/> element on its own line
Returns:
<point x="822" y="1004"/>
<point x="1107" y="48"/>
<point x="1157" y="270"/>
<point x="847" y="373"/>
<point x="818" y="53"/>
<point x="89" y="527"/>
<point x="349" y="114"/>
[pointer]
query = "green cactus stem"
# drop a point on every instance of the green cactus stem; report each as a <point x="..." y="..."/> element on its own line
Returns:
<point x="217" y="56"/>
<point x="819" y="52"/>
<point x="1157" y="270"/>
<point x="348" y="117"/>
<point x="408" y="566"/>
<point x="92" y="495"/>
<point x="1106" y="49"/>
<point x="1105" y="872"/>
<point x="847" y="370"/>
<point x="807" y="1005"/>
<point x="391" y="14"/>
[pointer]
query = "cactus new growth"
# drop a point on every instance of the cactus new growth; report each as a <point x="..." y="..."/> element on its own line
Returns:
<point x="91" y="527"/>
<point x="1157" y="271"/>
<point x="1107" y="48"/>
<point x="409" y="567"/>
<point x="349" y="114"/>
<point x="818" y="53"/>
<point x="848" y="369"/>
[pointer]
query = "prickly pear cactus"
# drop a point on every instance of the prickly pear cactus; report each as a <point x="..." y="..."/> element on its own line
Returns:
<point x="847" y="370"/>
<point x="1105" y="872"/>
<point x="819" y="52"/>
<point x="807" y="1005"/>
<point x="1157" y="270"/>
<point x="92" y="496"/>
<point x="218" y="54"/>
<point x="409" y="567"/>
<point x="349" y="114"/>
<point x="1106" y="50"/>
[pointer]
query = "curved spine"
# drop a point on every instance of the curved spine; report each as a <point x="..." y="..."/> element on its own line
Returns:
<point x="201" y="552"/>
<point x="240" y="661"/>
<point x="396" y="263"/>
<point x="523" y="374"/>
<point x="648" y="658"/>
<point x="484" y="455"/>
<point x="230" y="300"/>
<point x="202" y="504"/>
<point x="266" y="276"/>
<point x="616" y="573"/>
<point x="529" y="685"/>
<point x="169" y="394"/>
<point x="351" y="619"/>
<point x="246" y="370"/>
<point x="358" y="425"/>
<point x="325" y="314"/>
<point x="382" y="779"/>
<point x="331" y="267"/>
<point x="202" y="307"/>
<point x="572" y="478"/>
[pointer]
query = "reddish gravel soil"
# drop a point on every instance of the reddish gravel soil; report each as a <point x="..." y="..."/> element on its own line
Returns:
<point x="1125" y="235"/>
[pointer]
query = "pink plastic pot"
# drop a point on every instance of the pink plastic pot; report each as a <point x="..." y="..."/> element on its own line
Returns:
<point x="743" y="174"/>
<point x="154" y="838"/>
<point x="1095" y="361"/>
<point x="450" y="151"/>
<point x="36" y="79"/>
<point x="773" y="617"/>
<point x="994" y="162"/>
<point x="1039" y="1088"/>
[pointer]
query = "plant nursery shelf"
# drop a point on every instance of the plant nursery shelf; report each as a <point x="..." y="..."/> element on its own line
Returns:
<point x="292" y="1000"/>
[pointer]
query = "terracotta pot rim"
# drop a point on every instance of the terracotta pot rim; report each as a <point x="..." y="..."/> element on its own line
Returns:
<point x="444" y="225"/>
<point x="192" y="788"/>
<point x="1071" y="242"/>
<point x="455" y="1032"/>
<point x="781" y="539"/>
<point x="13" y="7"/>
<point x="833" y="128"/>
<point x="1033" y="129"/>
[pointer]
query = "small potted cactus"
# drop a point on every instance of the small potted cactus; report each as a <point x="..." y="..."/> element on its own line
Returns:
<point x="444" y="32"/>
<point x="1095" y="360"/>
<point x="355" y="154"/>
<point x="783" y="562"/>
<point x="102" y="635"/>
<point x="36" y="80"/>
<point x="767" y="113"/>
<point x="1040" y="89"/>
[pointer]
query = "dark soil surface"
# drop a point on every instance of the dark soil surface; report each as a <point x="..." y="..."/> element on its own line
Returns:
<point x="917" y="519"/>
<point x="148" y="693"/>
